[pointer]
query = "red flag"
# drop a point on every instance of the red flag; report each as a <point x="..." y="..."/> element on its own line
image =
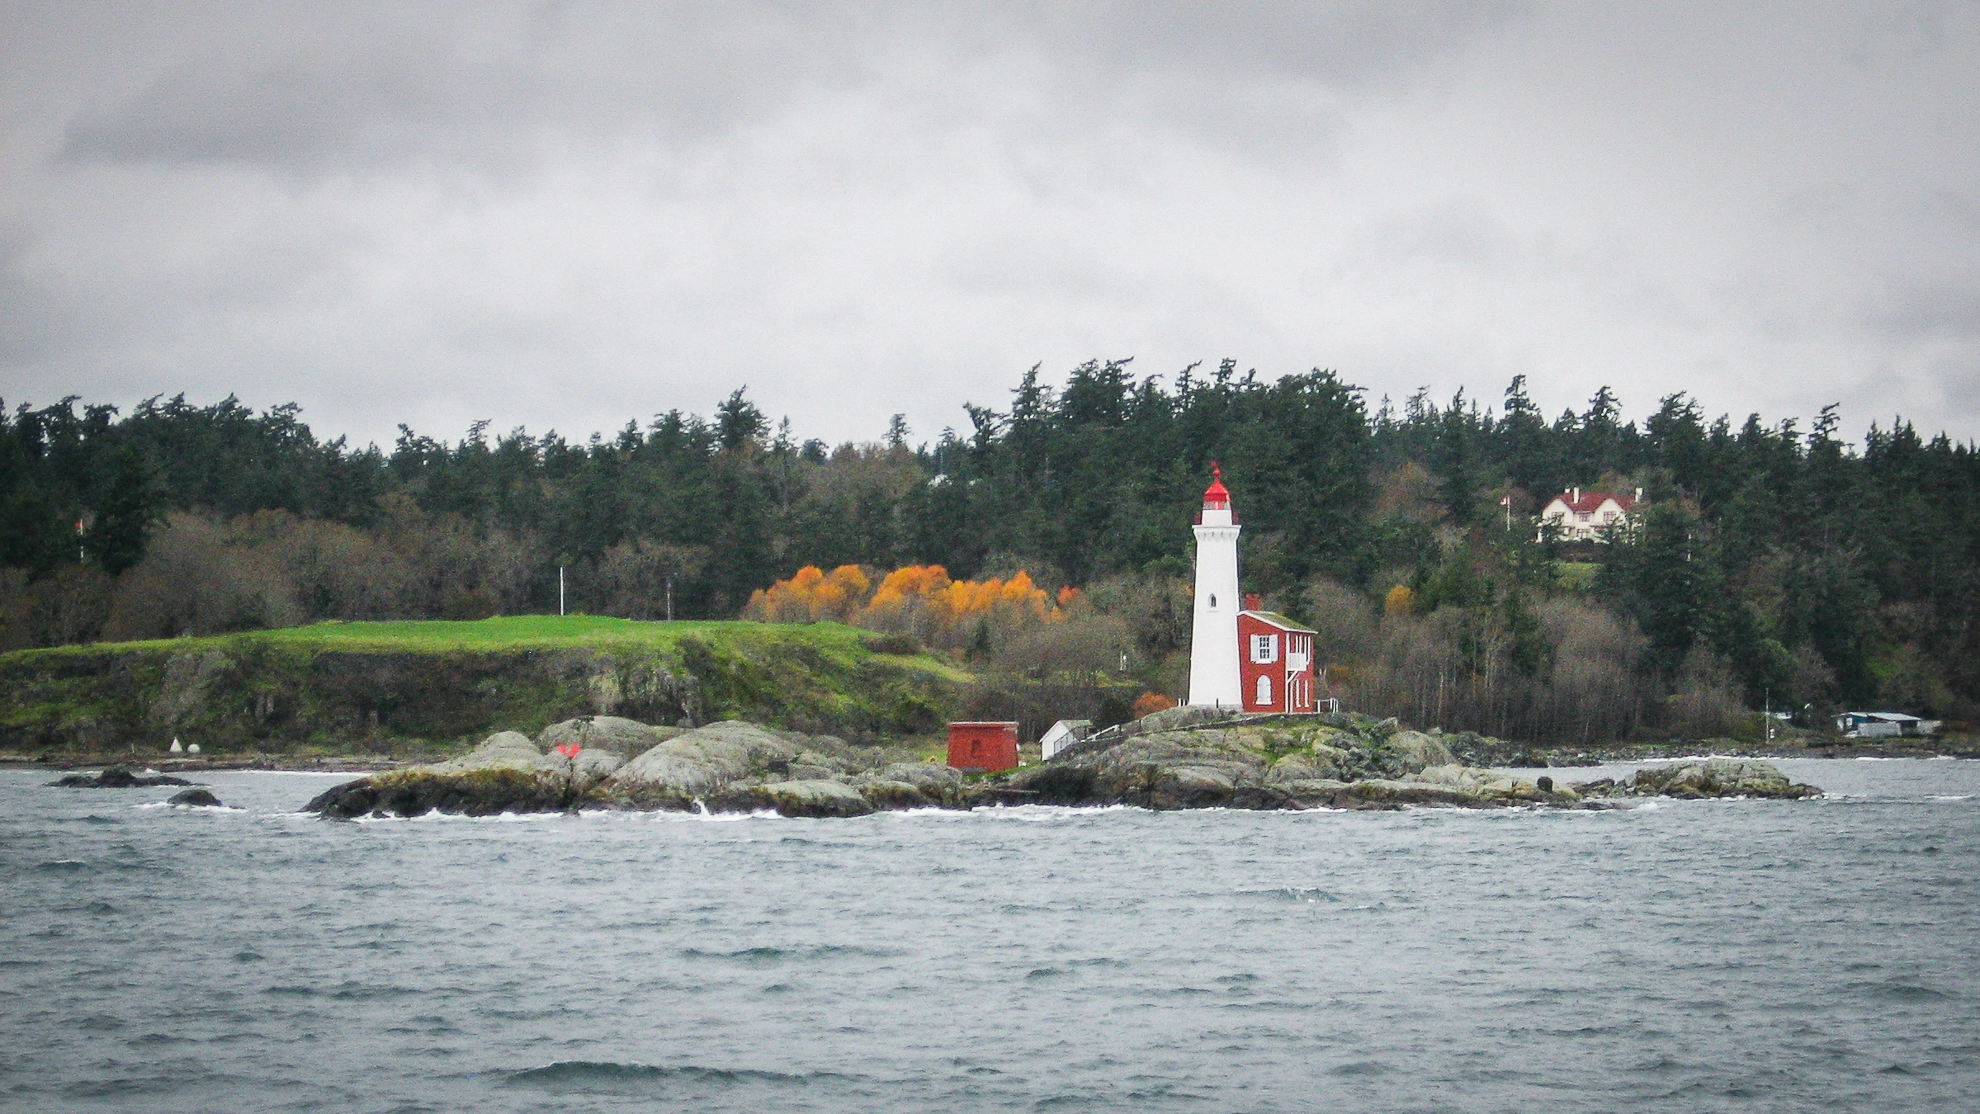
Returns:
<point x="1506" y="502"/>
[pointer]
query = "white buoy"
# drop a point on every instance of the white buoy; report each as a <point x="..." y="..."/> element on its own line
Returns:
<point x="176" y="748"/>
<point x="193" y="749"/>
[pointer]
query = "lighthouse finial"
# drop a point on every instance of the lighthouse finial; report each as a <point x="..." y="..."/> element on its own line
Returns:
<point x="1216" y="471"/>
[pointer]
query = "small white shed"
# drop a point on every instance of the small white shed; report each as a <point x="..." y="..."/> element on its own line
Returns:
<point x="1063" y="734"/>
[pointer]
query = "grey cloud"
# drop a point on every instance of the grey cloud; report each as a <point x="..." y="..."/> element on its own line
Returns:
<point x="1341" y="45"/>
<point x="1457" y="231"/>
<point x="417" y="84"/>
<point x="399" y="84"/>
<point x="566" y="214"/>
<point x="1947" y="307"/>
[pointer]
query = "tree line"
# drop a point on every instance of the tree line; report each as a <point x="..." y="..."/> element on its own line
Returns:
<point x="1768" y="564"/>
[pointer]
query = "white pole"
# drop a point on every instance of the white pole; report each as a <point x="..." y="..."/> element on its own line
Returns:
<point x="670" y="599"/>
<point x="560" y="589"/>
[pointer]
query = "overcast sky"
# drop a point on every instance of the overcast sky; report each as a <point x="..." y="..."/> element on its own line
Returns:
<point x="567" y="215"/>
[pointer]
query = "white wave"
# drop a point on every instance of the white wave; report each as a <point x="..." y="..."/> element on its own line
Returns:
<point x="664" y="816"/>
<point x="927" y="812"/>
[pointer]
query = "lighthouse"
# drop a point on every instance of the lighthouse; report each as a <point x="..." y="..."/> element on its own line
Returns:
<point x="1213" y="645"/>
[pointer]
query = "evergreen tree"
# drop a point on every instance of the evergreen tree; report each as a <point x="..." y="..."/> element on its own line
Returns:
<point x="125" y="514"/>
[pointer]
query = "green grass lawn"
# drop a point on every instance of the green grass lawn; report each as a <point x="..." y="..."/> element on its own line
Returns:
<point x="535" y="632"/>
<point x="1576" y="576"/>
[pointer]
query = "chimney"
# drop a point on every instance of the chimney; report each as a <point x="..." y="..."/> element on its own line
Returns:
<point x="1252" y="602"/>
<point x="1577" y="495"/>
<point x="1639" y="495"/>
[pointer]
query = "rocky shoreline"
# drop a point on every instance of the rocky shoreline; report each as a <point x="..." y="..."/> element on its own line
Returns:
<point x="1483" y="750"/>
<point x="1468" y="748"/>
<point x="1181" y="758"/>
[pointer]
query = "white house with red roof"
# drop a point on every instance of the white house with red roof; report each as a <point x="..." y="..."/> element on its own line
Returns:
<point x="1241" y="657"/>
<point x="1578" y="515"/>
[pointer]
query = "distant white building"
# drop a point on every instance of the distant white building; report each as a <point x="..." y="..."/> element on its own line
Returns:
<point x="1063" y="734"/>
<point x="1883" y="725"/>
<point x="1583" y="516"/>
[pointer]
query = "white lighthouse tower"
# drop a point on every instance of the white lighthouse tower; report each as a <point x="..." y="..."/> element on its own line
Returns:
<point x="1213" y="640"/>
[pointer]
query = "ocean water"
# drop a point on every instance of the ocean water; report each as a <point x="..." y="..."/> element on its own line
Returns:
<point x="1681" y="956"/>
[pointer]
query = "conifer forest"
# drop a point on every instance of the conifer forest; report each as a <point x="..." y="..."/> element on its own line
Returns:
<point x="1773" y="563"/>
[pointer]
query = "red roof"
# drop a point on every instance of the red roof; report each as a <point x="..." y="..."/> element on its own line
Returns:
<point x="1274" y="619"/>
<point x="1216" y="495"/>
<point x="1590" y="500"/>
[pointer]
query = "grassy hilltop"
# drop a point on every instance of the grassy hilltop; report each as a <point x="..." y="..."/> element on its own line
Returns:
<point x="394" y="686"/>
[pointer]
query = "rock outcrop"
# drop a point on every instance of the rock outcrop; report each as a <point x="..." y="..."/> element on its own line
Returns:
<point x="699" y="764"/>
<point x="196" y="797"/>
<point x="1418" y="751"/>
<point x="812" y="798"/>
<point x="116" y="777"/>
<point x="613" y="734"/>
<point x="504" y="750"/>
<point x="1705" y="778"/>
<point x="911" y="785"/>
<point x="1193" y="758"/>
<point x="1181" y="758"/>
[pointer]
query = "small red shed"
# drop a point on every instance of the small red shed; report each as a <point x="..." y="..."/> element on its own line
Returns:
<point x="985" y="745"/>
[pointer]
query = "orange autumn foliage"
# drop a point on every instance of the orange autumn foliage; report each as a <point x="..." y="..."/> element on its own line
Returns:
<point x="1148" y="703"/>
<point x="920" y="600"/>
<point x="811" y="595"/>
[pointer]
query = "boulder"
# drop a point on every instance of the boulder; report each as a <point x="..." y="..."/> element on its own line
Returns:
<point x="1394" y="794"/>
<point x="1181" y="716"/>
<point x="488" y="791"/>
<point x="613" y="734"/>
<point x="1205" y="786"/>
<point x="932" y="780"/>
<point x="116" y="777"/>
<point x="588" y="766"/>
<point x="812" y="798"/>
<point x="502" y="750"/>
<point x="895" y="794"/>
<point x="1718" y="777"/>
<point x="1331" y="759"/>
<point x="699" y="763"/>
<point x="1175" y="769"/>
<point x="1051" y="783"/>
<point x="809" y="765"/>
<point x="1417" y="751"/>
<point x="196" y="797"/>
<point x="1451" y="775"/>
<point x="1323" y="763"/>
<point x="1313" y="793"/>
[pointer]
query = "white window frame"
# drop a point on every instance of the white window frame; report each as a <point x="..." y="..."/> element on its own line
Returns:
<point x="1264" y="649"/>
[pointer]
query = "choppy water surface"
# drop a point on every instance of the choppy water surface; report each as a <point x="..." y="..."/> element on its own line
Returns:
<point x="1686" y="956"/>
